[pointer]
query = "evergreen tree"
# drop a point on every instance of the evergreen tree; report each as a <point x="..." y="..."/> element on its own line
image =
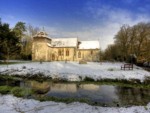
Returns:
<point x="9" y="42"/>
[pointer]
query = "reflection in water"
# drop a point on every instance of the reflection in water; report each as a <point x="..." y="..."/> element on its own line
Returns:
<point x="133" y="96"/>
<point x="39" y="87"/>
<point x="59" y="87"/>
<point x="95" y="93"/>
<point x="100" y="94"/>
<point x="89" y="87"/>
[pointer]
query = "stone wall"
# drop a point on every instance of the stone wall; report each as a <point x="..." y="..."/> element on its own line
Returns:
<point x="40" y="49"/>
<point x="87" y="55"/>
<point x="61" y="54"/>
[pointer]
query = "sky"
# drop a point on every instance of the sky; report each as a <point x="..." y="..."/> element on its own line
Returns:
<point x="85" y="19"/>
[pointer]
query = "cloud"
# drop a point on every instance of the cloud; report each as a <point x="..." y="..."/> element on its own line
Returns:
<point x="103" y="34"/>
<point x="108" y="22"/>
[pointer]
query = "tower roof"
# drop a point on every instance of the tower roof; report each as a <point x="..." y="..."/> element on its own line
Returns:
<point x="41" y="34"/>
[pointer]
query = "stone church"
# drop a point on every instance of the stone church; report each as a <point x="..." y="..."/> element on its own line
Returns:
<point x="45" y="48"/>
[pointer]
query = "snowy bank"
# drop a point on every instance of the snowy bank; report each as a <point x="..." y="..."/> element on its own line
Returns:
<point x="73" y="71"/>
<point x="11" y="104"/>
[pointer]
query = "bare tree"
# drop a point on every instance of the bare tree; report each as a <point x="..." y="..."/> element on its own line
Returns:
<point x="122" y="39"/>
<point x="134" y="40"/>
<point x="27" y="41"/>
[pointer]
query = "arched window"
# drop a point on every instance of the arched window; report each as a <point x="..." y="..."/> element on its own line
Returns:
<point x="79" y="54"/>
<point x="67" y="52"/>
<point x="59" y="52"/>
<point x="62" y="52"/>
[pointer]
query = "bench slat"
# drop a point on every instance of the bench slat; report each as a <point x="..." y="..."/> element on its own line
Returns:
<point x="127" y="66"/>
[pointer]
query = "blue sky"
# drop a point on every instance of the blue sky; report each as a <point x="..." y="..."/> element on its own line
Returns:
<point x="85" y="19"/>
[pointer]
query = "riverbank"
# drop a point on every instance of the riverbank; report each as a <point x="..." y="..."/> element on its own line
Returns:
<point x="73" y="71"/>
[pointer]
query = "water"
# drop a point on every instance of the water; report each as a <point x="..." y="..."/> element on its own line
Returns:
<point x="105" y="95"/>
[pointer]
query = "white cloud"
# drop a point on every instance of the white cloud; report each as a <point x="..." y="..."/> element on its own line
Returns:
<point x="104" y="35"/>
<point x="109" y="21"/>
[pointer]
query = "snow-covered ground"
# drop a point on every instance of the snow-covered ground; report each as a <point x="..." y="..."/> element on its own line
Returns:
<point x="11" y="104"/>
<point x="73" y="71"/>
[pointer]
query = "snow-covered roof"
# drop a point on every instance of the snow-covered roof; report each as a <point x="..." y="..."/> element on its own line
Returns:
<point x="64" y="42"/>
<point x="89" y="45"/>
<point x="41" y="34"/>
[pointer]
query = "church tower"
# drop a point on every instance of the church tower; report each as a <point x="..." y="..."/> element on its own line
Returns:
<point x="39" y="47"/>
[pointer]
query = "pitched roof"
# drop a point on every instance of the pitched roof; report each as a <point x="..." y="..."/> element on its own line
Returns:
<point x="89" y="45"/>
<point x="64" y="42"/>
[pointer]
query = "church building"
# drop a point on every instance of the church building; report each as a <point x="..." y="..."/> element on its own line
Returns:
<point x="45" y="48"/>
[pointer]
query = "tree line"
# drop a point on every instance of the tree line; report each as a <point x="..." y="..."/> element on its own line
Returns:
<point x="16" y="42"/>
<point x="132" y="44"/>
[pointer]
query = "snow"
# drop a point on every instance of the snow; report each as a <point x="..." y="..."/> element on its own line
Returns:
<point x="64" y="42"/>
<point x="48" y="44"/>
<point x="73" y="71"/>
<point x="89" y="45"/>
<point x="11" y="104"/>
<point x="41" y="34"/>
<point x="69" y="42"/>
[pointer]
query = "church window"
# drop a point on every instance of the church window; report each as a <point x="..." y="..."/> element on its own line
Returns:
<point x="59" y="52"/>
<point x="67" y="52"/>
<point x="79" y="54"/>
<point x="91" y="52"/>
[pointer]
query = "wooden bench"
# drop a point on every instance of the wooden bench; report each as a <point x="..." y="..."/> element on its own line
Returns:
<point x="127" y="66"/>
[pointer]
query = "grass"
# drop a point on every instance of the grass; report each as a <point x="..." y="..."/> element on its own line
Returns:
<point x="21" y="92"/>
<point x="9" y="80"/>
<point x="16" y="91"/>
<point x="65" y="100"/>
<point x="8" y="77"/>
<point x="5" y="89"/>
<point x="38" y="77"/>
<point x="10" y="63"/>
